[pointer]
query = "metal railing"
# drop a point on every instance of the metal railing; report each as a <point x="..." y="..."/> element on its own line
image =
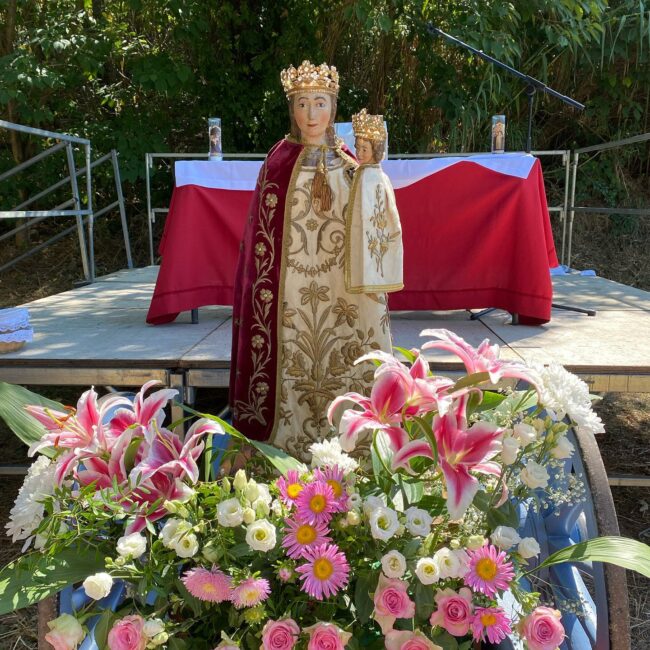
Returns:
<point x="84" y="217"/>
<point x="573" y="208"/>
<point x="562" y="210"/>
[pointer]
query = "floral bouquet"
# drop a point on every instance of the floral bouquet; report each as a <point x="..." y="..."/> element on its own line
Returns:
<point x="413" y="545"/>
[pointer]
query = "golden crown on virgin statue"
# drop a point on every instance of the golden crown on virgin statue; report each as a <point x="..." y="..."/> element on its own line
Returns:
<point x="368" y="127"/>
<point x="310" y="78"/>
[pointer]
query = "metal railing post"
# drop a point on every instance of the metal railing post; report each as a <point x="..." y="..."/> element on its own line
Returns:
<point x="150" y="217"/>
<point x="574" y="172"/>
<point x="91" y="217"/>
<point x="566" y="161"/>
<point x="120" y="199"/>
<point x="77" y="206"/>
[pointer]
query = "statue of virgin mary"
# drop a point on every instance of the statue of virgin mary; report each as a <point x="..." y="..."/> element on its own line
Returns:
<point x="296" y="330"/>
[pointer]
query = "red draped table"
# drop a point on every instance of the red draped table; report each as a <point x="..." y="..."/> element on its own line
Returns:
<point x="476" y="234"/>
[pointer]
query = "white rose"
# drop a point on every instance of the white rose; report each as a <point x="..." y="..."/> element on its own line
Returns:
<point x="252" y="491"/>
<point x="133" y="545"/>
<point x="240" y="482"/>
<point x="418" y="521"/>
<point x="186" y="546"/>
<point x="230" y="513"/>
<point x="353" y="518"/>
<point x="354" y="501"/>
<point x="525" y="432"/>
<point x="427" y="571"/>
<point x="563" y="449"/>
<point x="260" y="535"/>
<point x="448" y="563"/>
<point x="383" y="523"/>
<point x="98" y="586"/>
<point x="249" y="516"/>
<point x="528" y="547"/>
<point x="505" y="537"/>
<point x="509" y="450"/>
<point x="152" y="627"/>
<point x="370" y="504"/>
<point x="534" y="475"/>
<point x="393" y="564"/>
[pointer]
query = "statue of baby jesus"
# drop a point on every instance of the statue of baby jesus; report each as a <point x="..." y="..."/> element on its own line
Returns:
<point x="374" y="254"/>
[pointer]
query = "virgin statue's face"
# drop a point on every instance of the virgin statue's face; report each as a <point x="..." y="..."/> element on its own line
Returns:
<point x="312" y="112"/>
<point x="364" y="150"/>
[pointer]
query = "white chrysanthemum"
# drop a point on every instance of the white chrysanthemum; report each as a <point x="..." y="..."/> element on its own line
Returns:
<point x="418" y="521"/>
<point x="427" y="571"/>
<point x="27" y="512"/>
<point x="567" y="394"/>
<point x="393" y="564"/>
<point x="329" y="453"/>
<point x="260" y="536"/>
<point x="383" y="523"/>
<point x="230" y="513"/>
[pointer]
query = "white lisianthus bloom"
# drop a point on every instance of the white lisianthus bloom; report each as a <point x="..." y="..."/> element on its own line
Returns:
<point x="276" y="508"/>
<point x="383" y="523"/>
<point x="418" y="521"/>
<point x="173" y="530"/>
<point x="528" y="547"/>
<point x="27" y="512"/>
<point x="240" y="481"/>
<point x="260" y="535"/>
<point x="372" y="503"/>
<point x="463" y="562"/>
<point x="230" y="513"/>
<point x="427" y="571"/>
<point x="534" y="475"/>
<point x="509" y="450"/>
<point x="353" y="518"/>
<point x="329" y="453"/>
<point x="475" y="542"/>
<point x="186" y="545"/>
<point x="252" y="491"/>
<point x="98" y="586"/>
<point x="393" y="564"/>
<point x="249" y="516"/>
<point x="263" y="496"/>
<point x="525" y="433"/>
<point x="152" y="627"/>
<point x="159" y="639"/>
<point x="132" y="546"/>
<point x="505" y="537"/>
<point x="563" y="449"/>
<point x="448" y="563"/>
<point x="354" y="501"/>
<point x="65" y="632"/>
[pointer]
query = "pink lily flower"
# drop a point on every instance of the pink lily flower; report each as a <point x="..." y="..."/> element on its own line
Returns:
<point x="460" y="450"/>
<point x="485" y="358"/>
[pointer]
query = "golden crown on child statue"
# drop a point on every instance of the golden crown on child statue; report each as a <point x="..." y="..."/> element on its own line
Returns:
<point x="310" y="78"/>
<point x="368" y="127"/>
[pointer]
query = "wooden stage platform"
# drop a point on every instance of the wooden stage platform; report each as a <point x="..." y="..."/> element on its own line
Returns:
<point x="97" y="335"/>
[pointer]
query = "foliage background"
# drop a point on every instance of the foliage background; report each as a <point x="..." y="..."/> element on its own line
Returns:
<point x="144" y="75"/>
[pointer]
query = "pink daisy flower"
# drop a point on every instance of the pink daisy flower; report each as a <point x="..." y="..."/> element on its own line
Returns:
<point x="316" y="503"/>
<point x="299" y="537"/>
<point x="285" y="574"/>
<point x="325" y="572"/>
<point x="211" y="585"/>
<point x="490" y="623"/>
<point x="290" y="486"/>
<point x="251" y="592"/>
<point x="333" y="476"/>
<point x="489" y="571"/>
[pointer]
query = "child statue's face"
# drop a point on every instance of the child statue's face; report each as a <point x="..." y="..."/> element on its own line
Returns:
<point x="312" y="112"/>
<point x="364" y="151"/>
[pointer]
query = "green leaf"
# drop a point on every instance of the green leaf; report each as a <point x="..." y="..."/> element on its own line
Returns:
<point x="424" y="602"/>
<point x="505" y="515"/>
<point x="34" y="577"/>
<point x="445" y="640"/>
<point x="174" y="643"/>
<point x="103" y="627"/>
<point x="621" y="551"/>
<point x="470" y="380"/>
<point x="481" y="501"/>
<point x="363" y="603"/>
<point x="433" y="504"/>
<point x="13" y="400"/>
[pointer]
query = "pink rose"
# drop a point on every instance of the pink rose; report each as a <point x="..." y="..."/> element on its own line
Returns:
<point x="542" y="629"/>
<point x="391" y="602"/>
<point x="280" y="635"/>
<point x="406" y="640"/>
<point x="65" y="633"/>
<point x="128" y="634"/>
<point x="326" y="636"/>
<point x="454" y="611"/>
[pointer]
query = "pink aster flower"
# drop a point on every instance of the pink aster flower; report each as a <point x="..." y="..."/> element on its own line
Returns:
<point x="211" y="585"/>
<point x="325" y="572"/>
<point x="316" y="503"/>
<point x="285" y="574"/>
<point x="290" y="486"/>
<point x="333" y="476"/>
<point x="300" y="537"/>
<point x="489" y="571"/>
<point x="491" y="624"/>
<point x="251" y="592"/>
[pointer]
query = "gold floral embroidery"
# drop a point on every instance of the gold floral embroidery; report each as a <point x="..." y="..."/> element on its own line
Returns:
<point x="379" y="240"/>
